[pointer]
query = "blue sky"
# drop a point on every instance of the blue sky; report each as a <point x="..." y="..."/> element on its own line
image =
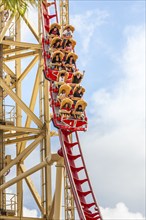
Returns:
<point x="110" y="39"/>
<point x="110" y="43"/>
<point x="114" y="81"/>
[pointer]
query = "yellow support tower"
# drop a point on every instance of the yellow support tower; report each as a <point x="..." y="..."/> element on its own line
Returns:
<point x="1" y="116"/>
<point x="68" y="197"/>
<point x="29" y="127"/>
<point x="64" y="13"/>
<point x="68" y="200"/>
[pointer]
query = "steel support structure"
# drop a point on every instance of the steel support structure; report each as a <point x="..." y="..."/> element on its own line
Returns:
<point x="69" y="205"/>
<point x="1" y="117"/>
<point x="64" y="13"/>
<point x="19" y="60"/>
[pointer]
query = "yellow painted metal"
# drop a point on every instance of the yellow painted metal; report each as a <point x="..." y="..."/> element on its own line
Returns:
<point x="16" y="140"/>
<point x="53" y="133"/>
<point x="16" y="55"/>
<point x="18" y="95"/>
<point x="48" y="161"/>
<point x="20" y="129"/>
<point x="68" y="197"/>
<point x="31" y="28"/>
<point x="58" y="190"/>
<point x="18" y="218"/>
<point x="8" y="71"/>
<point x="3" y="32"/>
<point x="2" y="147"/>
<point x="34" y="129"/>
<point x="42" y="149"/>
<point x="64" y="13"/>
<point x="23" y="154"/>
<point x="52" y="209"/>
<point x="48" y="187"/>
<point x="29" y="46"/>
<point x="22" y="176"/>
<point x="69" y="205"/>
<point x="23" y="55"/>
<point x="32" y="188"/>
<point x="13" y="51"/>
<point x="44" y="108"/>
<point x="13" y="135"/>
<point x="20" y="103"/>
<point x="28" y="68"/>
<point x="33" y="97"/>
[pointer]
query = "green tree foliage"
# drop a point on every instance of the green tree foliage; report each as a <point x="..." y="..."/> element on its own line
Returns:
<point x="19" y="6"/>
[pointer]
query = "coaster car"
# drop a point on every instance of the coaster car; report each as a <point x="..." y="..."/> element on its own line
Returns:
<point x="50" y="74"/>
<point x="64" y="119"/>
<point x="76" y="119"/>
<point x="64" y="114"/>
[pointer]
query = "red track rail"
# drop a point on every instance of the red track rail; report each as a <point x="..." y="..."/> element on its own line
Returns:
<point x="85" y="200"/>
<point x="71" y="151"/>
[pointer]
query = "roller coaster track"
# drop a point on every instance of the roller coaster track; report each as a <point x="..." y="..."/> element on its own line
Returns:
<point x="71" y="150"/>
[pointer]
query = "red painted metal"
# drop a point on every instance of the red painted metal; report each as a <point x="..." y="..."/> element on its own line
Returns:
<point x="74" y="162"/>
<point x="86" y="210"/>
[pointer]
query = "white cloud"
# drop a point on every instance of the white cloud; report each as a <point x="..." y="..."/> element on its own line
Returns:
<point x="125" y="105"/>
<point x="118" y="130"/>
<point x="30" y="212"/>
<point x="120" y="212"/>
<point x="118" y="115"/>
<point x="86" y="25"/>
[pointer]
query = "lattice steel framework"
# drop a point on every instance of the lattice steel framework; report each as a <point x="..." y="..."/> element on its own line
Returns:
<point x="30" y="130"/>
<point x="68" y="197"/>
<point x="64" y="13"/>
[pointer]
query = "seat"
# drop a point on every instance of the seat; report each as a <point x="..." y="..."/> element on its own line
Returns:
<point x="80" y="106"/>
